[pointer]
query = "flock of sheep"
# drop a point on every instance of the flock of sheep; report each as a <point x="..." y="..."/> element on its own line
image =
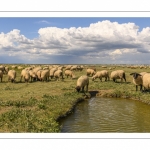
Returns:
<point x="37" y="73"/>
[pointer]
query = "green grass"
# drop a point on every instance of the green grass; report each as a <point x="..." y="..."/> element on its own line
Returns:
<point x="36" y="106"/>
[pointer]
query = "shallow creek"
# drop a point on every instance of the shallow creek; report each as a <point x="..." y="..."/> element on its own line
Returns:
<point x="101" y="115"/>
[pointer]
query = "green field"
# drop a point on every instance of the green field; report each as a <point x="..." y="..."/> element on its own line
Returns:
<point x="36" y="107"/>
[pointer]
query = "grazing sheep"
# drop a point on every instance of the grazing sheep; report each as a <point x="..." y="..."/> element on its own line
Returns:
<point x="101" y="74"/>
<point x="80" y="68"/>
<point x="33" y="76"/>
<point x="118" y="74"/>
<point x="11" y="75"/>
<point x="52" y="71"/>
<point x="69" y="73"/>
<point x="6" y="69"/>
<point x="44" y="75"/>
<point x="58" y="74"/>
<point x="14" y="66"/>
<point x="36" y="69"/>
<point x="2" y="68"/>
<point x="74" y="68"/>
<point x="68" y="67"/>
<point x="1" y="75"/>
<point x="146" y="81"/>
<point x="82" y="82"/>
<point x="20" y="67"/>
<point x="39" y="75"/>
<point x="90" y="72"/>
<point x="25" y="74"/>
<point x="45" y="68"/>
<point x="137" y="79"/>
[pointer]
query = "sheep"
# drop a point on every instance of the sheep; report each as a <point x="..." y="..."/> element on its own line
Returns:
<point x="58" y="74"/>
<point x="6" y="69"/>
<point x="36" y="69"/>
<point x="74" y="68"/>
<point x="146" y="81"/>
<point x="118" y="74"/>
<point x="1" y="75"/>
<point x="44" y="75"/>
<point x="82" y="82"/>
<point x="80" y="68"/>
<point x="100" y="75"/>
<point x="11" y="75"/>
<point x="25" y="74"/>
<point x="68" y="67"/>
<point x="51" y="73"/>
<point x="90" y="72"/>
<point x="39" y="75"/>
<point x="69" y="73"/>
<point x="33" y="75"/>
<point x="2" y="68"/>
<point x="137" y="79"/>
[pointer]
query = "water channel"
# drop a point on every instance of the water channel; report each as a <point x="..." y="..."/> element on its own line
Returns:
<point x="105" y="115"/>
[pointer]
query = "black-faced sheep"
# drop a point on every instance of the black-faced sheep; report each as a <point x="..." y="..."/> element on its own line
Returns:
<point x="137" y="79"/>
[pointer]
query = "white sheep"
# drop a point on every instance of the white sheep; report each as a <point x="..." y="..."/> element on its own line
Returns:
<point x="2" y="68"/>
<point x="69" y="73"/>
<point x="118" y="74"/>
<point x="90" y="72"/>
<point x="137" y="79"/>
<point x="25" y="74"/>
<point x="36" y="69"/>
<point x="52" y="71"/>
<point x="44" y="75"/>
<point x="58" y="74"/>
<point x="101" y="74"/>
<point x="33" y="75"/>
<point x="6" y="69"/>
<point x="39" y="75"/>
<point x="1" y="75"/>
<point x="146" y="81"/>
<point x="82" y="82"/>
<point x="11" y="75"/>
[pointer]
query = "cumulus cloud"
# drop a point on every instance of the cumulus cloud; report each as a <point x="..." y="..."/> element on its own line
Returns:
<point x="101" y="42"/>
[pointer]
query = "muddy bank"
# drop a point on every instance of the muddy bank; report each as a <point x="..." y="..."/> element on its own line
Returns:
<point x="119" y="94"/>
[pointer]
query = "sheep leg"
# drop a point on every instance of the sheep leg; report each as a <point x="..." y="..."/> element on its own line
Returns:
<point x="140" y="87"/>
<point x="87" y="87"/>
<point x="136" y="87"/>
<point x="83" y="89"/>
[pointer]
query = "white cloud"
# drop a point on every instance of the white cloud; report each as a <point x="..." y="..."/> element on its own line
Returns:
<point x="109" y="40"/>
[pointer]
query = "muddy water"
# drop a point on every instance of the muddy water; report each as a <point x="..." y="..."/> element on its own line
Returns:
<point x="103" y="115"/>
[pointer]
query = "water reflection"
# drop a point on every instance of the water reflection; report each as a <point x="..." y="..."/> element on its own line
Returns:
<point x="103" y="115"/>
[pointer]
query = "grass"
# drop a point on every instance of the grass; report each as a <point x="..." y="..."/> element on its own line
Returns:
<point x="37" y="106"/>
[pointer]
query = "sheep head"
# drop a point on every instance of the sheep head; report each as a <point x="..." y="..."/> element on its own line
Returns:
<point x="135" y="75"/>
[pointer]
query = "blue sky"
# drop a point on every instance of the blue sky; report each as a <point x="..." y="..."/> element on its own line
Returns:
<point x="75" y="40"/>
<point x="30" y="26"/>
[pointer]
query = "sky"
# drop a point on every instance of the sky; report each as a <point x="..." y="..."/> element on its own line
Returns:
<point x="75" y="40"/>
